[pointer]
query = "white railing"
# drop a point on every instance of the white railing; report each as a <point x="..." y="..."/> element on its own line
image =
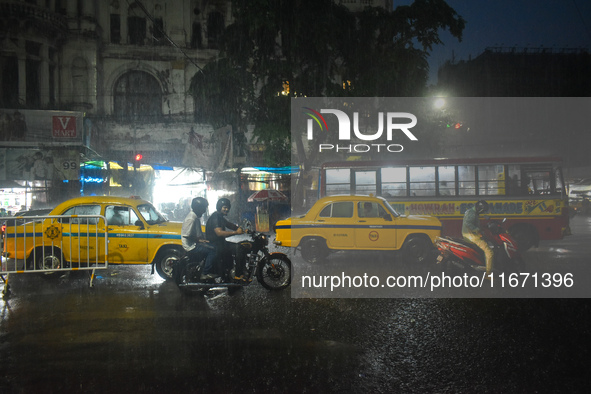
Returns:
<point x="55" y="243"/>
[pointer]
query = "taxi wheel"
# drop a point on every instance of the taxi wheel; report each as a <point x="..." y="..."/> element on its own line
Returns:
<point x="416" y="249"/>
<point x="51" y="260"/>
<point x="314" y="250"/>
<point x="166" y="261"/>
<point x="48" y="260"/>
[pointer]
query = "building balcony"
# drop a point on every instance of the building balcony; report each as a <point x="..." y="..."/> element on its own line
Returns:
<point x="16" y="14"/>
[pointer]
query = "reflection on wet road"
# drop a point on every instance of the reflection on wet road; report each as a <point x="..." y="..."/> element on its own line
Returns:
<point x="133" y="332"/>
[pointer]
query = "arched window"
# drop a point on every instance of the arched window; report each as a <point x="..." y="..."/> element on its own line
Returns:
<point x="137" y="97"/>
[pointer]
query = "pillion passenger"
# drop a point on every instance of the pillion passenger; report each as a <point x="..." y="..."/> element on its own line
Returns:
<point x="193" y="239"/>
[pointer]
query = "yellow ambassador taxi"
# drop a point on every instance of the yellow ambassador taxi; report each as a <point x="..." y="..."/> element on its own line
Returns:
<point x="357" y="223"/>
<point x="137" y="234"/>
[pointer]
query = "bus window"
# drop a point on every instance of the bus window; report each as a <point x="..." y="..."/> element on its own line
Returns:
<point x="365" y="182"/>
<point x="447" y="181"/>
<point x="422" y="181"/>
<point x="393" y="181"/>
<point x="538" y="179"/>
<point x="491" y="180"/>
<point x="338" y="181"/>
<point x="467" y="180"/>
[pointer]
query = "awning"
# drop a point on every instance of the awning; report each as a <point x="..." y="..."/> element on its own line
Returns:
<point x="10" y="185"/>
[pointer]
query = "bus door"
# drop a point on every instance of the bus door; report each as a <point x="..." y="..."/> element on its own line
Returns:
<point x="375" y="228"/>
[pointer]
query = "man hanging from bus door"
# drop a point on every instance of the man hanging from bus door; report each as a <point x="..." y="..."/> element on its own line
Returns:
<point x="472" y="232"/>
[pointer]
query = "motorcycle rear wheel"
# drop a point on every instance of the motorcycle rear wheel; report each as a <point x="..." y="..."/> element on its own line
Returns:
<point x="187" y="273"/>
<point x="274" y="273"/>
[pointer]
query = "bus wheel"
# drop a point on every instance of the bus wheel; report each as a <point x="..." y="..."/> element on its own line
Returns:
<point x="416" y="249"/>
<point x="525" y="235"/>
<point x="314" y="250"/>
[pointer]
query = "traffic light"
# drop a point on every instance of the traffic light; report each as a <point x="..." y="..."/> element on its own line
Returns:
<point x="137" y="160"/>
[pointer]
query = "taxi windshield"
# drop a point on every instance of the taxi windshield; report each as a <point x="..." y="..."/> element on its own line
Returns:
<point x="390" y="209"/>
<point x="150" y="214"/>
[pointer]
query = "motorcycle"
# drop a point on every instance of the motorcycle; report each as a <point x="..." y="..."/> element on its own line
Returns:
<point x="458" y="254"/>
<point x="272" y="270"/>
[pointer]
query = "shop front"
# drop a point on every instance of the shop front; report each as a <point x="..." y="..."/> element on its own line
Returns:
<point x="40" y="156"/>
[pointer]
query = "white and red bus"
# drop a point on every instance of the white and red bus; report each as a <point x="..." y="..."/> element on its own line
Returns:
<point x="528" y="192"/>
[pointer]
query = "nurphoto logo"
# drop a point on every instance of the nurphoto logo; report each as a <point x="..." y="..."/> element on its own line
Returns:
<point x="394" y="122"/>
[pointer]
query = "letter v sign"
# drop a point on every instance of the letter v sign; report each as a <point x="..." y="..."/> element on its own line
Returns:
<point x="64" y="127"/>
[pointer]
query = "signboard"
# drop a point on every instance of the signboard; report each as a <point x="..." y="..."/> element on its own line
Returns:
<point x="39" y="164"/>
<point x="41" y="126"/>
<point x="64" y="126"/>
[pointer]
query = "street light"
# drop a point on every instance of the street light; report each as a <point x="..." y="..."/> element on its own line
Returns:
<point x="439" y="103"/>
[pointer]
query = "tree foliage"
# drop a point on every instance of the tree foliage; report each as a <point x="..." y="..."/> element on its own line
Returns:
<point x="321" y="49"/>
<point x="223" y="92"/>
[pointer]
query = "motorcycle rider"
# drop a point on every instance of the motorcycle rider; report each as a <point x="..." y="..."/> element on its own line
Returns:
<point x="472" y="232"/>
<point x="193" y="239"/>
<point x="216" y="233"/>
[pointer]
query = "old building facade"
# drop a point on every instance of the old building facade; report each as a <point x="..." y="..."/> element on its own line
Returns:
<point x="120" y="69"/>
<point x="108" y="80"/>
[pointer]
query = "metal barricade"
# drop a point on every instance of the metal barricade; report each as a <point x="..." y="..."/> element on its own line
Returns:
<point x="44" y="244"/>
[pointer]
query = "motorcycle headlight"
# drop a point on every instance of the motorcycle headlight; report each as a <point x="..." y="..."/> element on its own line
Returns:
<point x="265" y="240"/>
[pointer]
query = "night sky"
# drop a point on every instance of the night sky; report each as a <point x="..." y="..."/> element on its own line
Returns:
<point x="513" y="23"/>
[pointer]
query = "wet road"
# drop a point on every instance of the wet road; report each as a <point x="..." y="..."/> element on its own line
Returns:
<point x="133" y="332"/>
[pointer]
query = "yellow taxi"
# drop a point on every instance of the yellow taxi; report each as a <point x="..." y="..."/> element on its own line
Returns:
<point x="137" y="234"/>
<point x="357" y="223"/>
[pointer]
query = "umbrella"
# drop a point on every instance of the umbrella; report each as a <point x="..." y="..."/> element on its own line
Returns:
<point x="267" y="195"/>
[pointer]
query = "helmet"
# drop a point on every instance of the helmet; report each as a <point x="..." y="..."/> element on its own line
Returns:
<point x="481" y="206"/>
<point x="222" y="202"/>
<point x="199" y="205"/>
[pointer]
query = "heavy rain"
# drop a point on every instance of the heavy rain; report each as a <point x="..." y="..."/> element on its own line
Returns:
<point x="115" y="117"/>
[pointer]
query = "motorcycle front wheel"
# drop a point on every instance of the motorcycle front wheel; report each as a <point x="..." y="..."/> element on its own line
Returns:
<point x="274" y="272"/>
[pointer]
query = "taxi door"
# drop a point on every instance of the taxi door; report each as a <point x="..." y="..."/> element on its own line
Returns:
<point x="374" y="227"/>
<point x="128" y="241"/>
<point x="79" y="233"/>
<point x="334" y="224"/>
